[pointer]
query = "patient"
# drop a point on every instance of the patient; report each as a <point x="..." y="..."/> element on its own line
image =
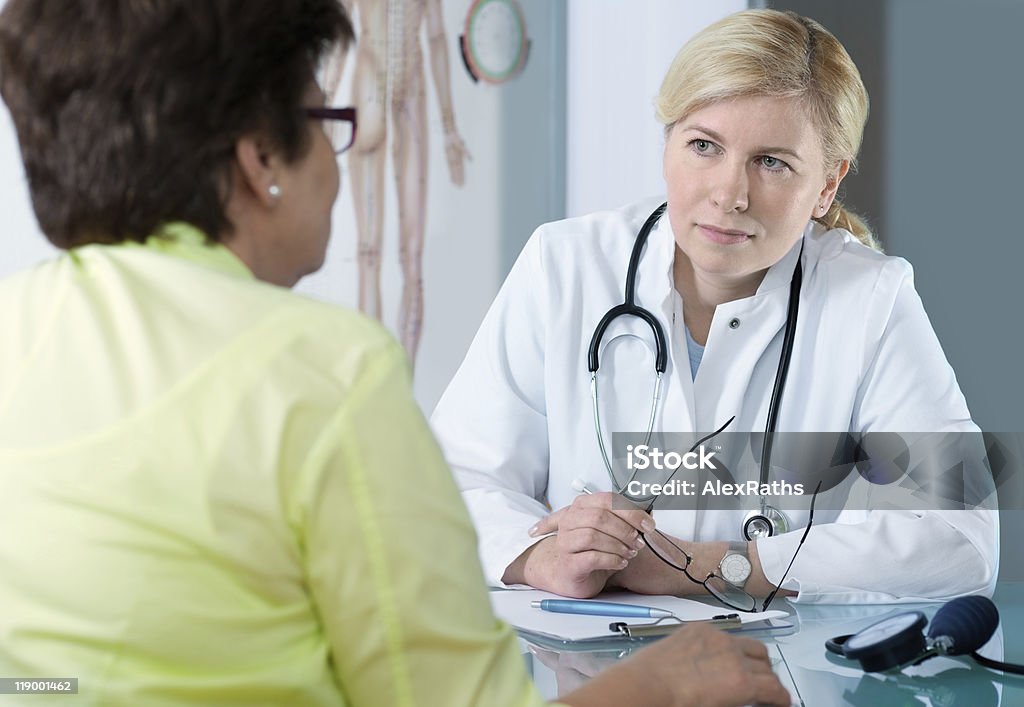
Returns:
<point x="212" y="490"/>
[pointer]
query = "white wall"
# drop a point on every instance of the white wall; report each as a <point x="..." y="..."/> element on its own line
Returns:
<point x="22" y="242"/>
<point x="473" y="233"/>
<point x="463" y="240"/>
<point x="461" y="244"/>
<point x="618" y="53"/>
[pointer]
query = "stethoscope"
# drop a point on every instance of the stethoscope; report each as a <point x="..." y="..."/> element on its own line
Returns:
<point x="767" y="520"/>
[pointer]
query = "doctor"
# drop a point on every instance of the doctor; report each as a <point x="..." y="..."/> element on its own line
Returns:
<point x="764" y="113"/>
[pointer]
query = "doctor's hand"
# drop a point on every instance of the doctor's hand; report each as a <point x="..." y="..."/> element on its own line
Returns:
<point x="646" y="574"/>
<point x="594" y="537"/>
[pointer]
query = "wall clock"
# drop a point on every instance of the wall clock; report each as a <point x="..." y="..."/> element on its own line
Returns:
<point x="494" y="43"/>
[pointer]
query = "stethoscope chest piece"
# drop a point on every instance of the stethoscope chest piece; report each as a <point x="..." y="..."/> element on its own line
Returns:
<point x="764" y="523"/>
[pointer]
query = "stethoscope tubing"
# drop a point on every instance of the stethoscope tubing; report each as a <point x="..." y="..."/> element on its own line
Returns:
<point x="630" y="308"/>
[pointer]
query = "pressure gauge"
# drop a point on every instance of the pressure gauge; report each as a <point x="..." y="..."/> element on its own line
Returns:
<point x="960" y="627"/>
<point x="494" y="43"/>
<point x="892" y="642"/>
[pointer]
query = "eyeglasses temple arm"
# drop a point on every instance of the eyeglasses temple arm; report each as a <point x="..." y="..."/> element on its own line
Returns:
<point x="702" y="440"/>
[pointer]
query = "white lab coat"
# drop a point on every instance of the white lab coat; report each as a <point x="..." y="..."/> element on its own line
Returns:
<point x="516" y="425"/>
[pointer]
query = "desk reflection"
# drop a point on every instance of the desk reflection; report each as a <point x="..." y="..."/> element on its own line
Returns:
<point x="815" y="677"/>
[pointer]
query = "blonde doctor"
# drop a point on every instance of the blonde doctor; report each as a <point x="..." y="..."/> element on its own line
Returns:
<point x="764" y="113"/>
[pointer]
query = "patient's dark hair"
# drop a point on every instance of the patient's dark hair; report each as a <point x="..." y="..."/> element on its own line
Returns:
<point x="128" y="111"/>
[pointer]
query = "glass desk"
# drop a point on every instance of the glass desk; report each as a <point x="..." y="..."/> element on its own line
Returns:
<point x="815" y="677"/>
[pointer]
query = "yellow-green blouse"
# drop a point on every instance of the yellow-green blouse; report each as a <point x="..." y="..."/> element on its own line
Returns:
<point x="214" y="491"/>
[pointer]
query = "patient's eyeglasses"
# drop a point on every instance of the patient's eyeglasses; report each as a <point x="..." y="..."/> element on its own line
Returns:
<point x="729" y="594"/>
<point x="339" y="125"/>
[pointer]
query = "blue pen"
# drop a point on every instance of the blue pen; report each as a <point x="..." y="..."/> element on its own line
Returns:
<point x="598" y="608"/>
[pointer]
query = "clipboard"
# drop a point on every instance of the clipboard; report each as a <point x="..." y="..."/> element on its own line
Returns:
<point x="663" y="627"/>
<point x="578" y="632"/>
<point x="617" y="642"/>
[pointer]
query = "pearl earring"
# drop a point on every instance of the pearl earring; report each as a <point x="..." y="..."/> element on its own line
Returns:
<point x="274" y="191"/>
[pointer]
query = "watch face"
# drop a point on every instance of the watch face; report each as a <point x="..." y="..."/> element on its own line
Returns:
<point x="496" y="39"/>
<point x="735" y="569"/>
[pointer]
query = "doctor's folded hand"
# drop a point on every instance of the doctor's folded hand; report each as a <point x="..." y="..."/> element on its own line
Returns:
<point x="594" y="537"/>
<point x="604" y="540"/>
<point x="720" y="670"/>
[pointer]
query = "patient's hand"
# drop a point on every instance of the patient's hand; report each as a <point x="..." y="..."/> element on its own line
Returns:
<point x="696" y="666"/>
<point x="573" y="668"/>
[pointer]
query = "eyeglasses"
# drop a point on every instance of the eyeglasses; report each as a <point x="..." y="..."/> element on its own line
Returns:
<point x="340" y="127"/>
<point x="729" y="594"/>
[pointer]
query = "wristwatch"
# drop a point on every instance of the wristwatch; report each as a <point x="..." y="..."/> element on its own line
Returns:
<point x="735" y="566"/>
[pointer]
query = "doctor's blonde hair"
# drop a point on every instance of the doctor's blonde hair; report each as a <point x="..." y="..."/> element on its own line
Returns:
<point x="779" y="55"/>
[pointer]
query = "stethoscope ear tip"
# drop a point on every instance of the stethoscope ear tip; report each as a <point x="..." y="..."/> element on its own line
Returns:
<point x="579" y="485"/>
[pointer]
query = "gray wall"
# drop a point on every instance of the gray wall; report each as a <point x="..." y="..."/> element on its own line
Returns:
<point x="533" y="132"/>
<point x="939" y="178"/>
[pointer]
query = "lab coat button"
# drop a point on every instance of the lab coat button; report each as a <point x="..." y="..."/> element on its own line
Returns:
<point x="734" y="323"/>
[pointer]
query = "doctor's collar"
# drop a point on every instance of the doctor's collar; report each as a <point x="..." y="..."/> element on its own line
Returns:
<point x="780" y="274"/>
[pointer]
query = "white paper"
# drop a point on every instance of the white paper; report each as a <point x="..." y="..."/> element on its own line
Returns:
<point x="514" y="608"/>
